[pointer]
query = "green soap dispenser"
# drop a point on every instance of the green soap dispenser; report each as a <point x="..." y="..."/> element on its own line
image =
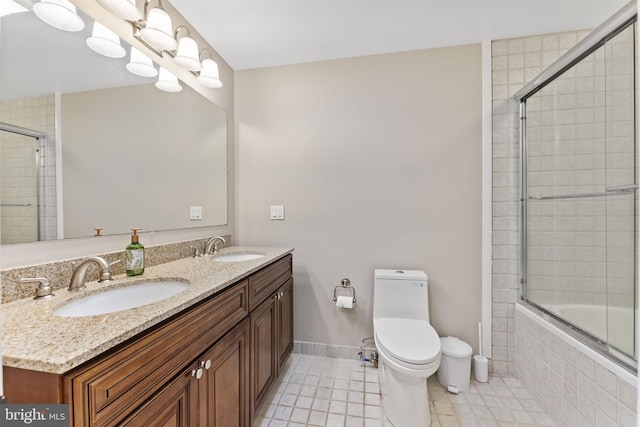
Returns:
<point x="135" y="255"/>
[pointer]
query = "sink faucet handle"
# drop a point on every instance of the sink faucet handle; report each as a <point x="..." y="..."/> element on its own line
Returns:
<point x="105" y="273"/>
<point x="196" y="251"/>
<point x="44" y="289"/>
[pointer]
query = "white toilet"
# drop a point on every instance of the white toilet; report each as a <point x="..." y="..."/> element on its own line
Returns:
<point x="408" y="346"/>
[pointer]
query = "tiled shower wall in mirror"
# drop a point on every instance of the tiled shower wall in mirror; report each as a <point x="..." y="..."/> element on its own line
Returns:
<point x="17" y="167"/>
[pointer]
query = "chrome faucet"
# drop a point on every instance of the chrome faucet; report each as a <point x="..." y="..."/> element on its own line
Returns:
<point x="79" y="276"/>
<point x="213" y="244"/>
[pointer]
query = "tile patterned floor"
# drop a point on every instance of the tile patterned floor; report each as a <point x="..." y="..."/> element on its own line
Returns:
<point x="324" y="391"/>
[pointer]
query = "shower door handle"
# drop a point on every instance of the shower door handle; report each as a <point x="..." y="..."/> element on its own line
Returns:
<point x="622" y="188"/>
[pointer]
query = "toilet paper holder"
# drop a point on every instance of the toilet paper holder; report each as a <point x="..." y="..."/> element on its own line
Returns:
<point x="345" y="284"/>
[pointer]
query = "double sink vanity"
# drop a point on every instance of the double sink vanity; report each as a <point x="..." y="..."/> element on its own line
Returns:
<point x="197" y="341"/>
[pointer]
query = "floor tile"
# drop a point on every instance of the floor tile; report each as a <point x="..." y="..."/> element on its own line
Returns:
<point x="330" y="392"/>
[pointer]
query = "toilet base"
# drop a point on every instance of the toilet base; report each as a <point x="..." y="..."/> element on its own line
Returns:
<point x="405" y="399"/>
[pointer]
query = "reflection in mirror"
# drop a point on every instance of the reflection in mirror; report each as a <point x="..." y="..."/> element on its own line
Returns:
<point x="117" y="153"/>
<point x="20" y="150"/>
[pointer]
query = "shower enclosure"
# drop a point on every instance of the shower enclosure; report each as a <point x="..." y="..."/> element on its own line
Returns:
<point x="579" y="190"/>
<point x="20" y="183"/>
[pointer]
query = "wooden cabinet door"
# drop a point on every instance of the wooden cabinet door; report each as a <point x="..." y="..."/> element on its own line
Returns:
<point x="176" y="405"/>
<point x="263" y="350"/>
<point x="224" y="388"/>
<point x="112" y="386"/>
<point x="285" y="321"/>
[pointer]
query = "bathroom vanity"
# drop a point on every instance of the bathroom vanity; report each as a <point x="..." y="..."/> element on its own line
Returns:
<point x="206" y="356"/>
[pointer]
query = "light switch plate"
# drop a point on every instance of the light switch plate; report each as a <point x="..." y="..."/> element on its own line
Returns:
<point x="195" y="213"/>
<point x="277" y="212"/>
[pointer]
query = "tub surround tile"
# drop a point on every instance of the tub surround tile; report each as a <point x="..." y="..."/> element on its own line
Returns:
<point x="578" y="388"/>
<point x="33" y="338"/>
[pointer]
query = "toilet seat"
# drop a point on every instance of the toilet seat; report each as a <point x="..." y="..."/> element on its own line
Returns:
<point x="411" y="343"/>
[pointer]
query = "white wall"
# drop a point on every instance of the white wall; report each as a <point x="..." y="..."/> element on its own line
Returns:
<point x="161" y="170"/>
<point x="377" y="161"/>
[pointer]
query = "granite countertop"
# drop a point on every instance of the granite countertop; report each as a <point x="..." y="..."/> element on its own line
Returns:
<point x="33" y="338"/>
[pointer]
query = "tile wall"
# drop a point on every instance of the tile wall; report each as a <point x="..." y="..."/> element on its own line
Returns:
<point x="572" y="384"/>
<point x="573" y="387"/>
<point x="18" y="180"/>
<point x="514" y="63"/>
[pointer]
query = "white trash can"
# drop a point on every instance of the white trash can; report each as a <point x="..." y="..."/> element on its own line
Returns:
<point x="454" y="373"/>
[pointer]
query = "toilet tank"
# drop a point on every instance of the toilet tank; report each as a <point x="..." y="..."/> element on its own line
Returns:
<point x="401" y="293"/>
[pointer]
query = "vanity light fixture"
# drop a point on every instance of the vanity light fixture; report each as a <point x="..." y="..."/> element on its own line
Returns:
<point x="105" y="42"/>
<point x="140" y="64"/>
<point x="124" y="9"/>
<point x="154" y="30"/>
<point x="157" y="31"/>
<point x="209" y="76"/>
<point x="187" y="53"/>
<point x="7" y="7"/>
<point x="60" y="14"/>
<point x="167" y="82"/>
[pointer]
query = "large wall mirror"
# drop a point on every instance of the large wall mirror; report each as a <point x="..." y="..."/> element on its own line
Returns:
<point x="115" y="151"/>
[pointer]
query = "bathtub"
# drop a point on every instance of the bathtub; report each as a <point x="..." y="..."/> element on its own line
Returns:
<point x="592" y="319"/>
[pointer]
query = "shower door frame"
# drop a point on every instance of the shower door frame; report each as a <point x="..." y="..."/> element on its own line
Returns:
<point x="40" y="137"/>
<point x="620" y="21"/>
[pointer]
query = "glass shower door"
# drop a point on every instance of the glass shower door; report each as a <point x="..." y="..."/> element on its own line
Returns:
<point x="579" y="182"/>
<point x="620" y="171"/>
<point x="19" y="176"/>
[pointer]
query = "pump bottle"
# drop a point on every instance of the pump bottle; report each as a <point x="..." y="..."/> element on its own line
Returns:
<point x="135" y="255"/>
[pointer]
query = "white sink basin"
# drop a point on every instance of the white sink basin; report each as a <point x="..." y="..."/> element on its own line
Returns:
<point x="119" y="299"/>
<point x="243" y="256"/>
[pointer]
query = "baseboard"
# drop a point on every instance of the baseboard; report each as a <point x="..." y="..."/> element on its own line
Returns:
<point x="329" y="350"/>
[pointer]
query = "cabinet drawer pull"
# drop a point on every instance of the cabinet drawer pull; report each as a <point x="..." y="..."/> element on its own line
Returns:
<point x="197" y="374"/>
<point x="205" y="365"/>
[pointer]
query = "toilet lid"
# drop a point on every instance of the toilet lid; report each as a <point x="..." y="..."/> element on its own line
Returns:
<point x="409" y="340"/>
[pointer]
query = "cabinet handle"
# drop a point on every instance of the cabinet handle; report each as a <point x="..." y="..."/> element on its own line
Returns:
<point x="205" y="365"/>
<point x="197" y="374"/>
<point x="281" y="294"/>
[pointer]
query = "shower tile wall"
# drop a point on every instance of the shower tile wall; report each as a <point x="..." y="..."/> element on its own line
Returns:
<point x="574" y="389"/>
<point x="514" y="63"/>
<point x="36" y="114"/>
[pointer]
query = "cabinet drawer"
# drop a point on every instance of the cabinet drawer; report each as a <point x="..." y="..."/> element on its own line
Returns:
<point x="106" y="390"/>
<point x="266" y="281"/>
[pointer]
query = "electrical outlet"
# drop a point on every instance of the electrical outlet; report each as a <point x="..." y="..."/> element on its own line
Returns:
<point x="277" y="212"/>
